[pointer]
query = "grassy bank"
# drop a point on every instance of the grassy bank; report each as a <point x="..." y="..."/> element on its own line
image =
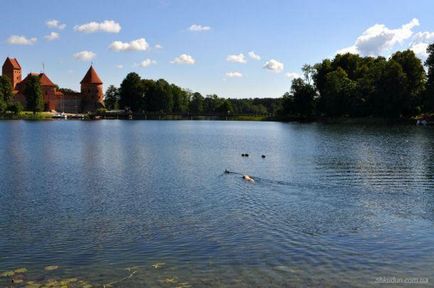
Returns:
<point x="27" y="115"/>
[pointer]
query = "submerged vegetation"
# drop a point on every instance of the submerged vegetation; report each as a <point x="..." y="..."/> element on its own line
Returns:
<point x="51" y="278"/>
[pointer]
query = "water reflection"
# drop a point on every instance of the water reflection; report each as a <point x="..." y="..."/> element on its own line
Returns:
<point x="331" y="205"/>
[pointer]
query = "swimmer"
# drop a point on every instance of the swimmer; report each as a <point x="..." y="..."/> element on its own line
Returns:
<point x="248" y="178"/>
<point x="227" y="171"/>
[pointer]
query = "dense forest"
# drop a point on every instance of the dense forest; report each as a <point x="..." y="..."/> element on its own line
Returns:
<point x="348" y="85"/>
<point x="144" y="95"/>
<point x="354" y="86"/>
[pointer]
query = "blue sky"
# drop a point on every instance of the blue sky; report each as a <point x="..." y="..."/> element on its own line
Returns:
<point x="206" y="57"/>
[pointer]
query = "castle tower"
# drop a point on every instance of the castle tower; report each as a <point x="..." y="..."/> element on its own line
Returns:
<point x="12" y="69"/>
<point x="91" y="91"/>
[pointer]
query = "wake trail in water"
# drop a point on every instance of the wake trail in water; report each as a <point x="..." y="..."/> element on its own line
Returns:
<point x="284" y="183"/>
<point x="259" y="179"/>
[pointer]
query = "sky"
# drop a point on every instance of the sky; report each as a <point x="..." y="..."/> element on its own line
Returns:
<point x="236" y="49"/>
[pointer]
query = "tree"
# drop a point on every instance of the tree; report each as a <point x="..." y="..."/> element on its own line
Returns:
<point x="225" y="107"/>
<point x="337" y="93"/>
<point x="392" y="88"/>
<point x="33" y="94"/>
<point x="111" y="99"/>
<point x="212" y="103"/>
<point x="308" y="72"/>
<point x="164" y="97"/>
<point x="180" y="99"/>
<point x="319" y="77"/>
<point x="416" y="78"/>
<point x="196" y="103"/>
<point x="16" y="108"/>
<point x="303" y="97"/>
<point x="132" y="93"/>
<point x="6" y="93"/>
<point x="429" y="94"/>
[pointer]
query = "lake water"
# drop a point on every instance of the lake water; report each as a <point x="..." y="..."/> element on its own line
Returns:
<point x="146" y="203"/>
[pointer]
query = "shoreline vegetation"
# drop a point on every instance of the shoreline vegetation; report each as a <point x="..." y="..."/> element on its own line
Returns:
<point x="122" y="115"/>
<point x="347" y="89"/>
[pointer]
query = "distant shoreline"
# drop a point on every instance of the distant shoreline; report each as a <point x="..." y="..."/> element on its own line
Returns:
<point x="26" y="115"/>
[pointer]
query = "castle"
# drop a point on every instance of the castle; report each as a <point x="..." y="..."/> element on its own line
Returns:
<point x="89" y="99"/>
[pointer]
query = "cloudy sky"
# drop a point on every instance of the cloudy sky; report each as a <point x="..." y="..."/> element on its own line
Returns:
<point x="232" y="48"/>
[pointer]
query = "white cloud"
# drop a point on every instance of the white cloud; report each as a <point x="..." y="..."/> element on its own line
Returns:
<point x="84" y="55"/>
<point x="292" y="75"/>
<point x="236" y="58"/>
<point x="120" y="66"/>
<point x="135" y="45"/>
<point x="183" y="59"/>
<point x="55" y="24"/>
<point x="378" y="39"/>
<point x="274" y="66"/>
<point x="108" y="26"/>
<point x="147" y="62"/>
<point x="52" y="36"/>
<point x="254" y="56"/>
<point x="199" y="28"/>
<point x="423" y="37"/>
<point x="158" y="46"/>
<point x="21" y="40"/>
<point x="351" y="49"/>
<point x="420" y="43"/>
<point x="234" y="74"/>
<point x="420" y="50"/>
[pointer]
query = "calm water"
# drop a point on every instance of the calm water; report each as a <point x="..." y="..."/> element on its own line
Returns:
<point x="332" y="205"/>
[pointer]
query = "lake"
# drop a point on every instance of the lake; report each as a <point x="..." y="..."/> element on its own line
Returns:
<point x="147" y="203"/>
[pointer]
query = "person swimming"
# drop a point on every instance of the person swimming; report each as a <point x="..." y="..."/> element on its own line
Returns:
<point x="248" y="178"/>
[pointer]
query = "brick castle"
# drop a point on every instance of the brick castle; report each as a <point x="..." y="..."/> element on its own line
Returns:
<point x="89" y="99"/>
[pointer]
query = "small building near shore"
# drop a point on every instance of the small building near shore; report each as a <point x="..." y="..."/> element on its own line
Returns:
<point x="89" y="99"/>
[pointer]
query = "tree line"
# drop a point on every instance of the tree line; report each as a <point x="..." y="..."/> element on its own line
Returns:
<point x="354" y="86"/>
<point x="145" y="95"/>
<point x="348" y="85"/>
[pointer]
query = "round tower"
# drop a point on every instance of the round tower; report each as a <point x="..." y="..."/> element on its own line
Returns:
<point x="91" y="91"/>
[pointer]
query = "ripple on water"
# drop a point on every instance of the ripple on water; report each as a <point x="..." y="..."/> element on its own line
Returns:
<point x="331" y="205"/>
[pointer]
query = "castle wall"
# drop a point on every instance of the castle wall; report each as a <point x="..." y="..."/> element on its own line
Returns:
<point x="69" y="103"/>
<point x="50" y="98"/>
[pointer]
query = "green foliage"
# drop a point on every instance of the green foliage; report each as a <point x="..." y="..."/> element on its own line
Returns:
<point x="428" y="100"/>
<point x="6" y="94"/>
<point x="180" y="99"/>
<point x="132" y="93"/>
<point x="355" y="86"/>
<point x="111" y="99"/>
<point x="16" y="108"/>
<point x="146" y="95"/>
<point x="33" y="94"/>
<point x="196" y="103"/>
<point x="225" y="107"/>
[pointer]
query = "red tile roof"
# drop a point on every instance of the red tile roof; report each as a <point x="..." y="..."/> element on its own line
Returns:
<point x="43" y="80"/>
<point x="13" y="62"/>
<point x="91" y="77"/>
